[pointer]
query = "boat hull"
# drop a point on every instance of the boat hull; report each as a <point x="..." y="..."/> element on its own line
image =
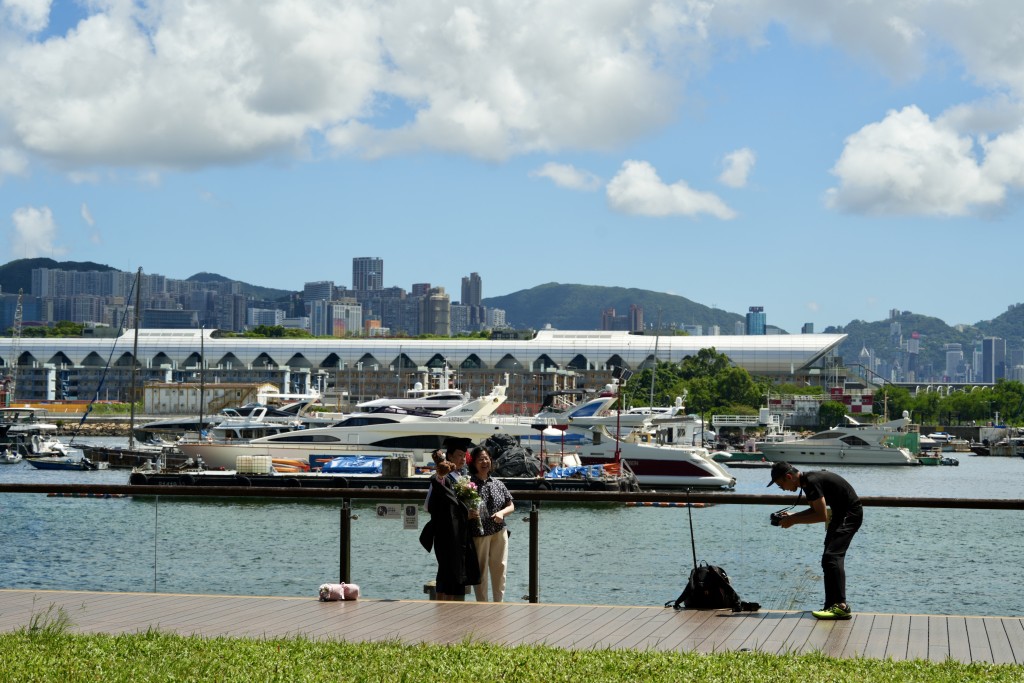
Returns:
<point x="65" y="464"/>
<point x="796" y="453"/>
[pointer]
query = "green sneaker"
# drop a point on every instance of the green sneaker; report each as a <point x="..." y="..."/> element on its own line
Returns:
<point x="834" y="612"/>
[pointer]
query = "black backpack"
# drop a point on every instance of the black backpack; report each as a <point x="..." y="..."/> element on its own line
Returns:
<point x="708" y="588"/>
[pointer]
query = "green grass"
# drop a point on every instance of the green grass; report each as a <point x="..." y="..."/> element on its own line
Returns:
<point x="52" y="653"/>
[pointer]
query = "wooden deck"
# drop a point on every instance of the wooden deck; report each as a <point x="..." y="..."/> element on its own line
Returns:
<point x="897" y="636"/>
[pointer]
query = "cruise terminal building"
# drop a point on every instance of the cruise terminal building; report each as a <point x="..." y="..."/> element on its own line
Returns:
<point x="349" y="370"/>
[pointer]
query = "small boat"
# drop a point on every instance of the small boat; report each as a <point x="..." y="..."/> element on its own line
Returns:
<point x="66" y="463"/>
<point x="9" y="457"/>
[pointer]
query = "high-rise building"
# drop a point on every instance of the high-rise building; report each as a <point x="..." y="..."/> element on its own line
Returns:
<point x="322" y="290"/>
<point x="808" y="328"/>
<point x="954" y="361"/>
<point x="472" y="290"/>
<point x="367" y="273"/>
<point x="435" y="313"/>
<point x="993" y="359"/>
<point x="757" y="322"/>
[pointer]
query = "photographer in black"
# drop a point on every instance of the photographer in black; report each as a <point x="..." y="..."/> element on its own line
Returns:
<point x="832" y="500"/>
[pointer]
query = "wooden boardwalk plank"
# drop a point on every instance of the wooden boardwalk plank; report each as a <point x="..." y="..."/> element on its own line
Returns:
<point x="917" y="642"/>
<point x="779" y="641"/>
<point x="763" y="631"/>
<point x="1015" y="633"/>
<point x="857" y="643"/>
<point x="685" y="634"/>
<point x="977" y="637"/>
<point x="746" y="626"/>
<point x="837" y="636"/>
<point x="936" y="638"/>
<point x="878" y="637"/>
<point x="959" y="646"/>
<point x="899" y="637"/>
<point x="998" y="640"/>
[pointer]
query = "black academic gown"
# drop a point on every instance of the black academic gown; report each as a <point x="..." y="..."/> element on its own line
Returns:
<point x="457" y="565"/>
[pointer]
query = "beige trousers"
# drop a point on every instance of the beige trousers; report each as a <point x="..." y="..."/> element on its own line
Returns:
<point x="492" y="554"/>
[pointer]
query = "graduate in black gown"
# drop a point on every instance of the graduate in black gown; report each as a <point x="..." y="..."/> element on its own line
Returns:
<point x="449" y="531"/>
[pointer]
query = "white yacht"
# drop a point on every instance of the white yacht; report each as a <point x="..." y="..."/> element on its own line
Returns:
<point x="430" y="393"/>
<point x="387" y="431"/>
<point x="854" y="444"/>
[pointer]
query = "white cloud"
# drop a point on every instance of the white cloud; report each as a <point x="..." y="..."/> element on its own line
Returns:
<point x="12" y="162"/>
<point x="567" y="176"/>
<point x="909" y="164"/>
<point x="34" y="233"/>
<point x="30" y="16"/>
<point x="87" y="215"/>
<point x="84" y="177"/>
<point x="637" y="189"/>
<point x="217" y="82"/>
<point x="738" y="166"/>
<point x="94" y="235"/>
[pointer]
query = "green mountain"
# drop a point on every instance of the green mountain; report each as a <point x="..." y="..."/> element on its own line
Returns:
<point x="255" y="291"/>
<point x="579" y="307"/>
<point x="18" y="274"/>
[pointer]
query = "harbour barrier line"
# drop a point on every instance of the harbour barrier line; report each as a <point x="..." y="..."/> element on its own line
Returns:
<point x="347" y="496"/>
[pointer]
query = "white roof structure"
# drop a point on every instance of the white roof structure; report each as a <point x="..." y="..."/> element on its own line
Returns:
<point x="761" y="355"/>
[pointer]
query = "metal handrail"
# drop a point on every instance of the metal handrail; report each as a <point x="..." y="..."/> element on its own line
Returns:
<point x="346" y="496"/>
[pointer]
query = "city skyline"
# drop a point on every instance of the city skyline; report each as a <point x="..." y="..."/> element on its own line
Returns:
<point x="826" y="161"/>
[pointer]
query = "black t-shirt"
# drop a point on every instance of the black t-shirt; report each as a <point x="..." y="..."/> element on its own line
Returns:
<point x="838" y="493"/>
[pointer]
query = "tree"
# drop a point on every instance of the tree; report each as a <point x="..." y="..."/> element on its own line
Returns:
<point x="831" y="414"/>
<point x="707" y="363"/>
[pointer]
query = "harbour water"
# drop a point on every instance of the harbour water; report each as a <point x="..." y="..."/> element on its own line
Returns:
<point x="904" y="560"/>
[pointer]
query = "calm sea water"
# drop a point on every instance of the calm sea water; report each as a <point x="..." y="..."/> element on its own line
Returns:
<point x="902" y="560"/>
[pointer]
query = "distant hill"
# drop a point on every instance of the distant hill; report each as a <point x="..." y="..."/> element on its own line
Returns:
<point x="933" y="335"/>
<point x="18" y="274"/>
<point x="579" y="307"/>
<point x="255" y="291"/>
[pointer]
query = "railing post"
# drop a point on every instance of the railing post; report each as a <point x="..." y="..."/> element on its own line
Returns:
<point x="535" y="552"/>
<point x="345" y="544"/>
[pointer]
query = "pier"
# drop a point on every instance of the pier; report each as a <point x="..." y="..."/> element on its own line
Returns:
<point x="997" y="640"/>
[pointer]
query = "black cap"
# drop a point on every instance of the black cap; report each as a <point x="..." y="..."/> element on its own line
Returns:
<point x="779" y="470"/>
<point x="458" y="443"/>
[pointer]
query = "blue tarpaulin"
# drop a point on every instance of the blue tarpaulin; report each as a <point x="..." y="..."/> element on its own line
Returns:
<point x="354" y="464"/>
<point x="575" y="471"/>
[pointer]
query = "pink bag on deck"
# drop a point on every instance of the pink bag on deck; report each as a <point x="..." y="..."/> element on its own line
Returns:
<point x="330" y="592"/>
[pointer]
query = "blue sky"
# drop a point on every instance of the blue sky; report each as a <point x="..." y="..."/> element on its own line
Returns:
<point x="828" y="161"/>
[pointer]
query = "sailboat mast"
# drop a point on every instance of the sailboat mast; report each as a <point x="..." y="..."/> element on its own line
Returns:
<point x="135" y="359"/>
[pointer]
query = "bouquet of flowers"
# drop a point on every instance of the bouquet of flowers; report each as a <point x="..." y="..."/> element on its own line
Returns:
<point x="465" y="490"/>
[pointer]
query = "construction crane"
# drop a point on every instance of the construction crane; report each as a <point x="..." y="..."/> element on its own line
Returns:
<point x="12" y="381"/>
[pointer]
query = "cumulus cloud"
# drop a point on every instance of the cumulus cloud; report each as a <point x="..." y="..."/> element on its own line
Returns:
<point x="34" y="233"/>
<point x="30" y="16"/>
<point x="211" y="82"/>
<point x="637" y="189"/>
<point x="909" y="164"/>
<point x="567" y="176"/>
<point x="737" y="167"/>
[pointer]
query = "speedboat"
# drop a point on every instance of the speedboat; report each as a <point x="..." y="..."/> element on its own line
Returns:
<point x="853" y="444"/>
<point x="66" y="463"/>
<point x="9" y="457"/>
